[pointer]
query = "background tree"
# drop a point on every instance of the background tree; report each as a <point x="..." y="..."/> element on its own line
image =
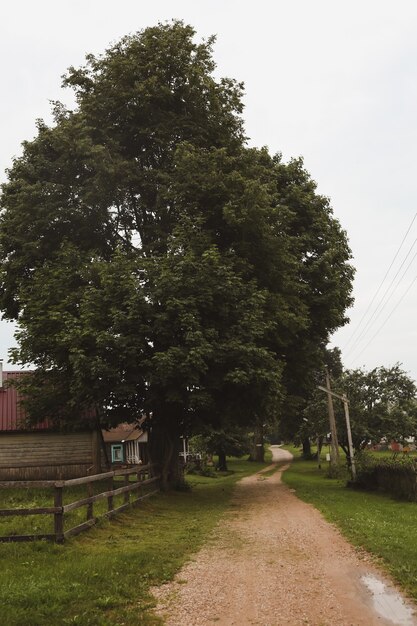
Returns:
<point x="223" y="443"/>
<point x="382" y="405"/>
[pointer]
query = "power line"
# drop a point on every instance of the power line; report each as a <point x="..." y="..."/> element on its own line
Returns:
<point x="382" y="282"/>
<point x="381" y="304"/>
<point x="395" y="287"/>
<point x="388" y="317"/>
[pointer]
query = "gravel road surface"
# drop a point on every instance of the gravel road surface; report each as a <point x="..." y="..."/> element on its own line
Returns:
<point x="274" y="561"/>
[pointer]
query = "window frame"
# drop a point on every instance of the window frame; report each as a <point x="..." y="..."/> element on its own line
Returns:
<point x="115" y="449"/>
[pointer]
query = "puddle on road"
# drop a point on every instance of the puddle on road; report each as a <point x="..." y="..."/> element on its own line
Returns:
<point x="388" y="603"/>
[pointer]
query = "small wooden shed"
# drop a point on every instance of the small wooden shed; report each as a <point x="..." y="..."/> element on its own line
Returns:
<point x="40" y="452"/>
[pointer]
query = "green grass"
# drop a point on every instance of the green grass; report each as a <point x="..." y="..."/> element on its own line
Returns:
<point x="385" y="527"/>
<point x="39" y="498"/>
<point x="102" y="577"/>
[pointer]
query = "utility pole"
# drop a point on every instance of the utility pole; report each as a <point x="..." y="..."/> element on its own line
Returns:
<point x="331" y="394"/>
<point x="334" y="457"/>
<point x="349" y="434"/>
<point x="318" y="452"/>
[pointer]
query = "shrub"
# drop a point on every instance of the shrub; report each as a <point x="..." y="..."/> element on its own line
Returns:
<point x="395" y="476"/>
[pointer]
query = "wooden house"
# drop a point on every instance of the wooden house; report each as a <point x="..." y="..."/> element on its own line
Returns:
<point x="126" y="444"/>
<point x="41" y="452"/>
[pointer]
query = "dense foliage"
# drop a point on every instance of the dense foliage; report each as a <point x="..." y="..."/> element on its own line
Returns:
<point x="157" y="265"/>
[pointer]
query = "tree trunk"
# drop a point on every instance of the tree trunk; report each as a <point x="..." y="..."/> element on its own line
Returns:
<point x="306" y="448"/>
<point x="96" y="451"/>
<point x="164" y="449"/>
<point x="258" y="452"/>
<point x="222" y="463"/>
<point x="320" y="441"/>
<point x="346" y="451"/>
<point x="102" y="444"/>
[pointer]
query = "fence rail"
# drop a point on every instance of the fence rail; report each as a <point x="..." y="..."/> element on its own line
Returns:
<point x="145" y="476"/>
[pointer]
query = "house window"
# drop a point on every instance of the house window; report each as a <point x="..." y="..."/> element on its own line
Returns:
<point x="117" y="453"/>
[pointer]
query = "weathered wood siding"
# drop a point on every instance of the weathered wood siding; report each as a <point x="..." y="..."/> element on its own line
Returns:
<point x="45" y="455"/>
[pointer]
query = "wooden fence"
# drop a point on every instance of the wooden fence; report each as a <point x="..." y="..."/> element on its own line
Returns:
<point x="145" y="475"/>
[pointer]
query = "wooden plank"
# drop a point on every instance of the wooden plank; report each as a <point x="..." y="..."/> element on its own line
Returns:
<point x="43" y="461"/>
<point x="43" y="455"/>
<point x="78" y="503"/>
<point x="148" y="481"/>
<point x="56" y="458"/>
<point x="76" y="530"/>
<point x="34" y="447"/>
<point x="32" y="451"/>
<point x="39" y="484"/>
<point x="90" y="494"/>
<point x="11" y="538"/>
<point x="104" y="494"/>
<point x="27" y="484"/>
<point x="131" y="486"/>
<point x="130" y="470"/>
<point x="119" y="509"/>
<point x="72" y="482"/>
<point x="100" y="496"/>
<point x="38" y="436"/>
<point x="58" y="511"/>
<point x="44" y="472"/>
<point x="39" y="511"/>
<point x="110" y="504"/>
<point x="59" y="515"/>
<point x="120" y="490"/>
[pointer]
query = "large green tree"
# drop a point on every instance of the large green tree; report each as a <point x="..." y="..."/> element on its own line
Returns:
<point x="157" y="265"/>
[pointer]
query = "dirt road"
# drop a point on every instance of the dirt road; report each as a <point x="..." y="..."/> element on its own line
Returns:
<point x="274" y="561"/>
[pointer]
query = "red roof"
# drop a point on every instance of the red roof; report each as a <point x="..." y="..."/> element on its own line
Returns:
<point x="12" y="414"/>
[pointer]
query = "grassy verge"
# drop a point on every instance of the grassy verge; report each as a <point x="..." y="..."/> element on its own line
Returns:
<point x="385" y="527"/>
<point x="102" y="577"/>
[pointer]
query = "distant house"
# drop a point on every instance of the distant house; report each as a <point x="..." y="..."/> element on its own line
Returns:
<point x="41" y="452"/>
<point x="126" y="444"/>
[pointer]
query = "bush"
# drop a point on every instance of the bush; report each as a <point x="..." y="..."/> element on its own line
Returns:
<point x="366" y="476"/>
<point x="397" y="477"/>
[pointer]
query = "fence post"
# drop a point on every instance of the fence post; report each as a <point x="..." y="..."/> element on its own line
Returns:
<point x="127" y="493"/>
<point x="110" y="505"/>
<point x="58" y="516"/>
<point x="138" y="491"/>
<point x="90" y="513"/>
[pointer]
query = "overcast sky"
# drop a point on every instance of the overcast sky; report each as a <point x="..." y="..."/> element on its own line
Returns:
<point x="334" y="82"/>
